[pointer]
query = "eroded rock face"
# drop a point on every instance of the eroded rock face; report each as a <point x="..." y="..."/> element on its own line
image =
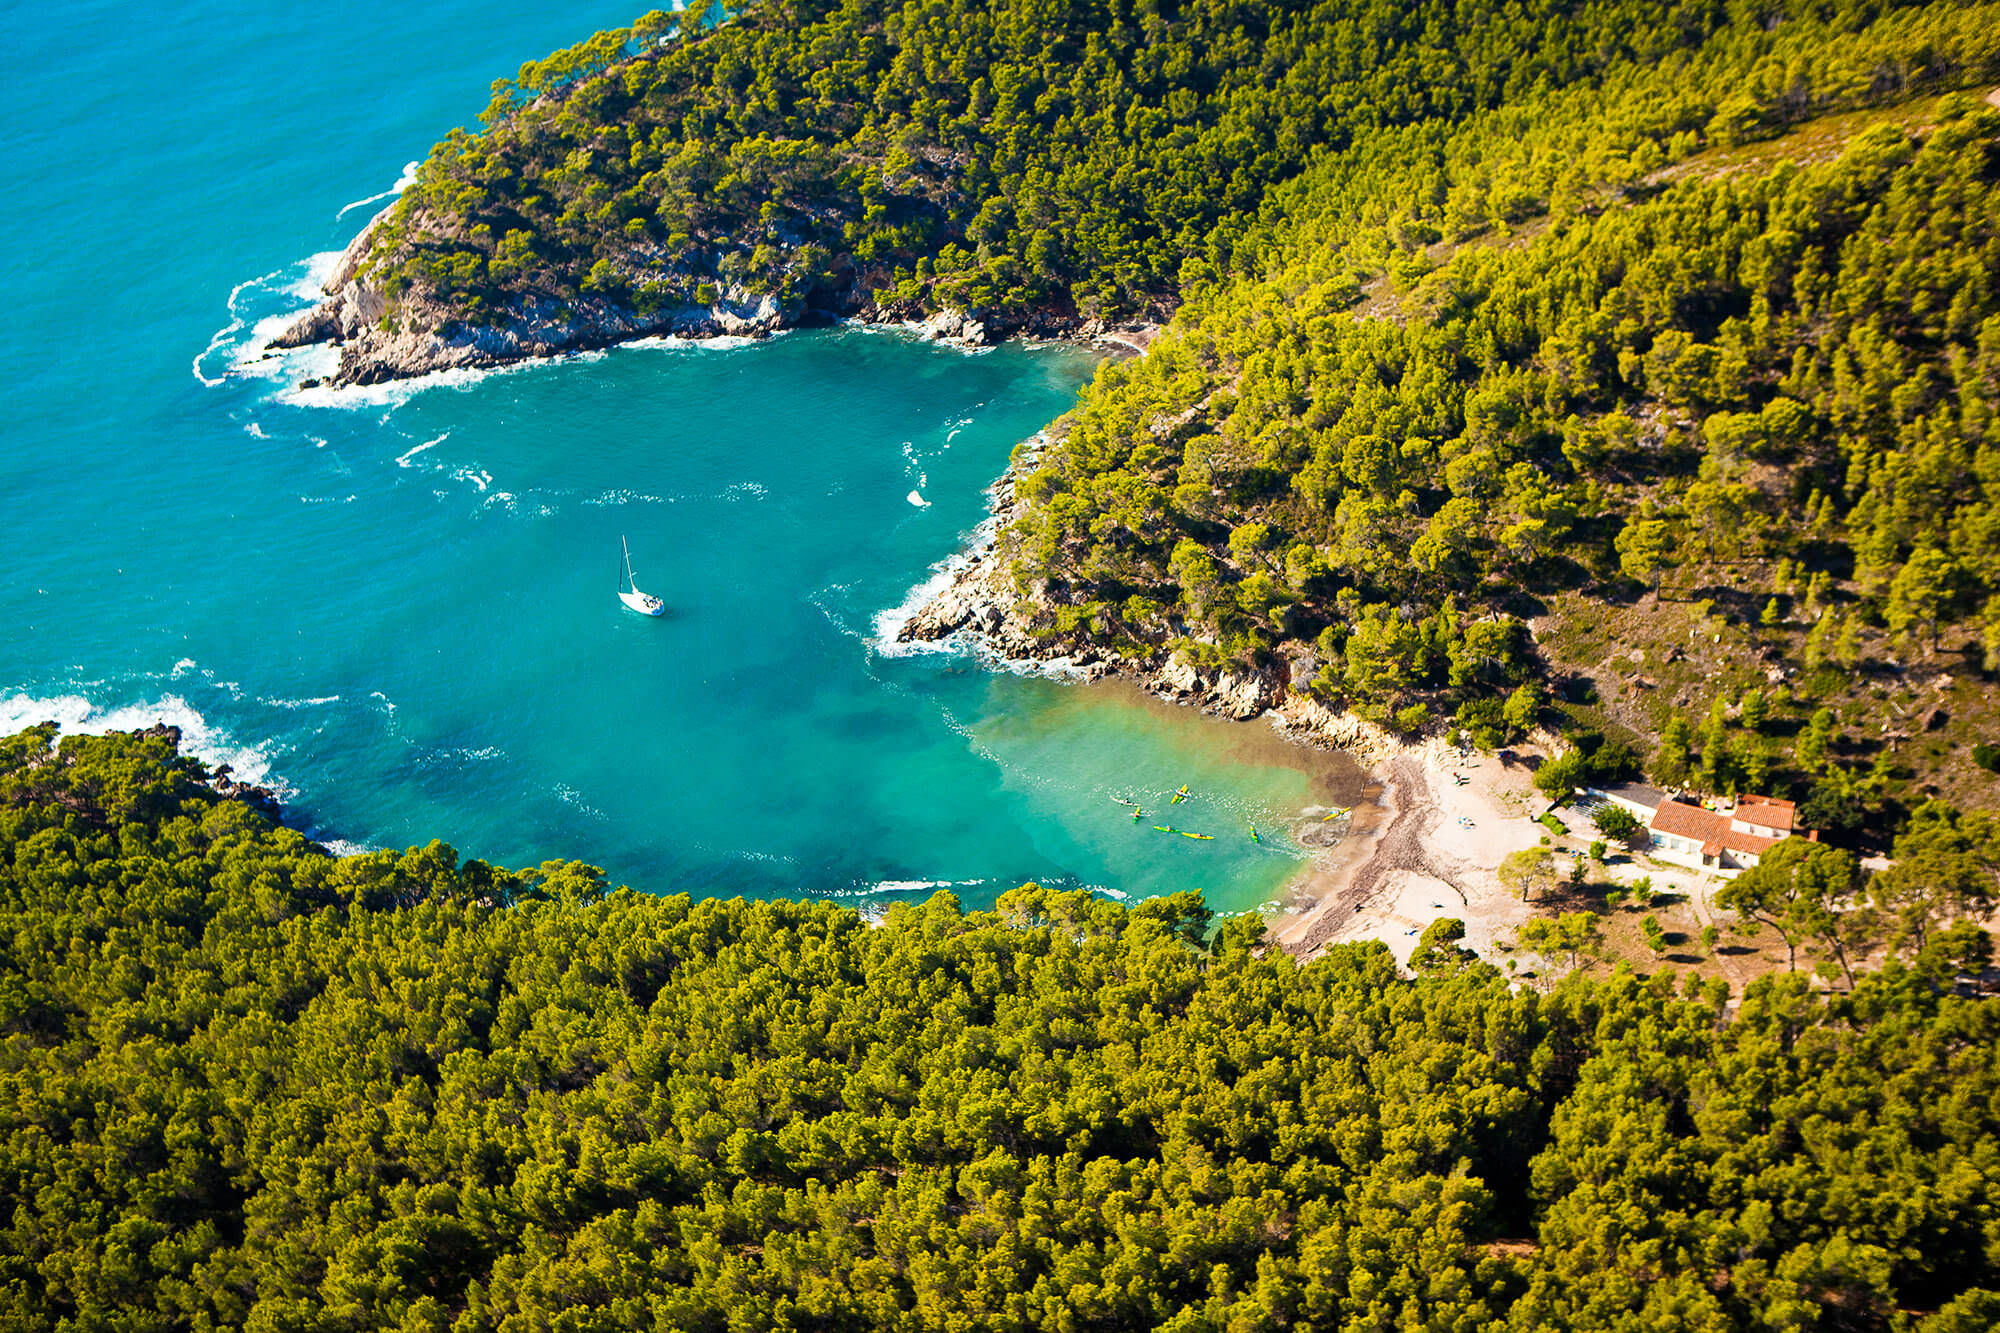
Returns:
<point x="421" y="336"/>
<point x="418" y="334"/>
<point x="955" y="326"/>
<point x="1246" y="694"/>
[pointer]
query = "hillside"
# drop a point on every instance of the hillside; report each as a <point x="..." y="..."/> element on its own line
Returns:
<point x="247" y="1084"/>
<point x="1720" y="438"/>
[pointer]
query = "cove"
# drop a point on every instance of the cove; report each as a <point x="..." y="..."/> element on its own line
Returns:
<point x="396" y="605"/>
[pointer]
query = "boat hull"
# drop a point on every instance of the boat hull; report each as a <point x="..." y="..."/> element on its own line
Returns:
<point x="643" y="602"/>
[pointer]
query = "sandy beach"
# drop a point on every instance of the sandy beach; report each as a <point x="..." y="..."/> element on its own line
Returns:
<point x="1425" y="843"/>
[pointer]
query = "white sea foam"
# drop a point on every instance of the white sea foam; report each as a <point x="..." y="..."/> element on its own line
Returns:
<point x="916" y="498"/>
<point x="311" y="284"/>
<point x="233" y="327"/>
<point x="479" y="478"/>
<point x="255" y="348"/>
<point x="255" y="431"/>
<point x="668" y="342"/>
<point x="293" y="365"/>
<point x="393" y="394"/>
<point x="342" y="847"/>
<point x="326" y="499"/>
<point x="296" y="284"/>
<point x="319" y="702"/>
<point x="403" y="182"/>
<point x="79" y="716"/>
<point x="570" y="796"/>
<point x="621" y="497"/>
<point x="510" y="503"/>
<point x="746" y="490"/>
<point x="181" y="668"/>
<point x="889" y="623"/>
<point x="769" y="858"/>
<point x="403" y="459"/>
<point x="388" y="706"/>
<point x="900" y="886"/>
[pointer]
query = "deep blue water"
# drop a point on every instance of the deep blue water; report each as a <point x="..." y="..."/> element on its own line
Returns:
<point x="398" y="604"/>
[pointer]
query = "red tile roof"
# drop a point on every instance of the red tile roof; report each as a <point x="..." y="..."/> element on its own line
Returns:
<point x="1711" y="829"/>
<point x="1766" y="812"/>
<point x="1748" y="842"/>
<point x="1688" y="821"/>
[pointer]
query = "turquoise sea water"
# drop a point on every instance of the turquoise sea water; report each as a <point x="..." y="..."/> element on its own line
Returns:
<point x="397" y="604"/>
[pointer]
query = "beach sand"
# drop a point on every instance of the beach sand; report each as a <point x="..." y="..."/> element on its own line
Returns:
<point x="1421" y="846"/>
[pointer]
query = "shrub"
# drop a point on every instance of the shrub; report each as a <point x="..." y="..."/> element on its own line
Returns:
<point x="1615" y="821"/>
<point x="1484" y="721"/>
<point x="1558" y="778"/>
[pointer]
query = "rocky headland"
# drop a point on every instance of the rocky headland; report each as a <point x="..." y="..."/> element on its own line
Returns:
<point x="381" y="338"/>
<point x="982" y="608"/>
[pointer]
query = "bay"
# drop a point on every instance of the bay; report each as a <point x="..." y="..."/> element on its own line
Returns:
<point x="396" y="604"/>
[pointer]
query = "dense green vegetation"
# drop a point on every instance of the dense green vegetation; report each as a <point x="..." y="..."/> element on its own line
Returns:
<point x="1775" y="389"/>
<point x="1603" y="353"/>
<point x="244" y="1083"/>
<point x="1022" y="160"/>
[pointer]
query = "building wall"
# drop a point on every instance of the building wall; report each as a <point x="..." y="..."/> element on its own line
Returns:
<point x="1680" y="851"/>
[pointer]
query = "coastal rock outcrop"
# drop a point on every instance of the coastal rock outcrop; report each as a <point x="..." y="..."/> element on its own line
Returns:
<point x="419" y="335"/>
<point x="955" y="326"/>
<point x="415" y="333"/>
<point x="981" y="606"/>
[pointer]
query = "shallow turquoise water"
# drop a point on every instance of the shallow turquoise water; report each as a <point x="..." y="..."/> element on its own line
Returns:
<point x="397" y="604"/>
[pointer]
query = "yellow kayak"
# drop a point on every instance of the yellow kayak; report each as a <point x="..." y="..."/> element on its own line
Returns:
<point x="1204" y="837"/>
<point x="1179" y="796"/>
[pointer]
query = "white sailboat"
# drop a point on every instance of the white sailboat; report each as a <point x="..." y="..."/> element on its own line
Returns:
<point x="643" y="602"/>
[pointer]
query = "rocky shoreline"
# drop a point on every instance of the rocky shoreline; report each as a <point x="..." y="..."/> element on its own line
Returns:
<point x="423" y="335"/>
<point x="981" y="610"/>
<point x="217" y="777"/>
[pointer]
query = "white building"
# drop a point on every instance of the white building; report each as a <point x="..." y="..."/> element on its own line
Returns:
<point x="1727" y="841"/>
